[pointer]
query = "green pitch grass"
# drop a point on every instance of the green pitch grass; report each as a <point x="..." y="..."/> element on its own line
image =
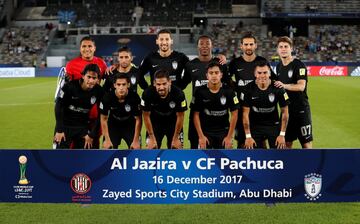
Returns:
<point x="27" y="122"/>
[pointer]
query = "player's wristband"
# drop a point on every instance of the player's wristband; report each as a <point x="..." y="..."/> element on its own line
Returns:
<point x="282" y="133"/>
<point x="248" y="136"/>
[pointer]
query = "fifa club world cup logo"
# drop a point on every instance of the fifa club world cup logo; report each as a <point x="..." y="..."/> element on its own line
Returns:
<point x="22" y="164"/>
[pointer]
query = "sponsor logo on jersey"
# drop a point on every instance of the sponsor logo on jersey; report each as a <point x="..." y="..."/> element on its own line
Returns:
<point x="241" y="83"/>
<point x="194" y="70"/>
<point x="223" y="100"/>
<point x="172" y="77"/>
<point x="172" y="104"/>
<point x="197" y="83"/>
<point x="200" y="82"/>
<point x="174" y="64"/>
<point x="271" y="97"/>
<point x="127" y="108"/>
<point x="80" y="183"/>
<point x="312" y="185"/>
<point x="244" y="82"/>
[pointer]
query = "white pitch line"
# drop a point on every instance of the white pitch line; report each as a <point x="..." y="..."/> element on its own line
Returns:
<point x="29" y="85"/>
<point x="23" y="104"/>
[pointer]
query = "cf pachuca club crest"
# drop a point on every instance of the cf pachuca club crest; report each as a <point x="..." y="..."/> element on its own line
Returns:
<point x="312" y="185"/>
<point x="271" y="97"/>
<point x="133" y="80"/>
<point x="127" y="108"/>
<point x="223" y="100"/>
<point x="172" y="104"/>
<point x="174" y="65"/>
<point x="93" y="100"/>
<point x="290" y="73"/>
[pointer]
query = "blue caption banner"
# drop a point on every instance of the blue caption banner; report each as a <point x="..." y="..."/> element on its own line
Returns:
<point x="179" y="176"/>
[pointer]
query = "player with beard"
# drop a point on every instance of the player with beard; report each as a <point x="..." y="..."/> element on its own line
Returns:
<point x="211" y="111"/>
<point x="72" y="109"/>
<point x="195" y="72"/>
<point x="292" y="76"/>
<point x="242" y="68"/>
<point x="164" y="58"/>
<point x="260" y="114"/>
<point x="163" y="106"/>
<point x="120" y="115"/>
<point x="125" y="67"/>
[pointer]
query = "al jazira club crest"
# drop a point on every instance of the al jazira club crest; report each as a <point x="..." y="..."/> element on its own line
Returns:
<point x="174" y="64"/>
<point x="312" y="185"/>
<point x="223" y="100"/>
<point x="271" y="97"/>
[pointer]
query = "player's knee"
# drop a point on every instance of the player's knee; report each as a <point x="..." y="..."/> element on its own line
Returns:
<point x="289" y="145"/>
<point x="307" y="145"/>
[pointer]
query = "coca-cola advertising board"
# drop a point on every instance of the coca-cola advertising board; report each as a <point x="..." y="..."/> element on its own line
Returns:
<point x="327" y="70"/>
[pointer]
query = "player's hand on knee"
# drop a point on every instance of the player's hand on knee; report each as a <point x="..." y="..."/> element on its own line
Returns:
<point x="59" y="137"/>
<point x="250" y="143"/>
<point x="135" y="145"/>
<point x="176" y="144"/>
<point x="203" y="142"/>
<point x="107" y="144"/>
<point x="280" y="142"/>
<point x="152" y="144"/>
<point x="88" y="142"/>
<point x="227" y="142"/>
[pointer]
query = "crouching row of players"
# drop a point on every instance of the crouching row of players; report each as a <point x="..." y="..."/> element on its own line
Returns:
<point x="163" y="106"/>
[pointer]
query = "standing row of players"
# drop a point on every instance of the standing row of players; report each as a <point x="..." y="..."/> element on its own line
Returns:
<point x="253" y="105"/>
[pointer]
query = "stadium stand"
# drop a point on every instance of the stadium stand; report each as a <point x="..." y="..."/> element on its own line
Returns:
<point x="320" y="43"/>
<point x="325" y="43"/>
<point x="24" y="45"/>
<point x="90" y="13"/>
<point x="311" y="6"/>
<point x="156" y="12"/>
